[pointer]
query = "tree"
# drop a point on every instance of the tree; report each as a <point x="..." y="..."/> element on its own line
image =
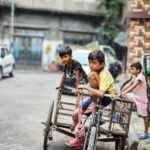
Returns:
<point x="108" y="26"/>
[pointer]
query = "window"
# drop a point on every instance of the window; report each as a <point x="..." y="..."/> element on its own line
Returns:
<point x="77" y="38"/>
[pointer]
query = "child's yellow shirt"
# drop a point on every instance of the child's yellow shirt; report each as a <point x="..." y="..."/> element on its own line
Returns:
<point x="106" y="83"/>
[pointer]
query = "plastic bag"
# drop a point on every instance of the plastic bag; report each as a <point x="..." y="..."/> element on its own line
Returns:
<point x="79" y="131"/>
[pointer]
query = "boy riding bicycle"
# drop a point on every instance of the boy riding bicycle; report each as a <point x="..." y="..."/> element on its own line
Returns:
<point x="100" y="82"/>
<point x="73" y="71"/>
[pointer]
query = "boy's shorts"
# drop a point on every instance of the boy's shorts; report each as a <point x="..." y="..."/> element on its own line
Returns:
<point x="86" y="103"/>
<point x="105" y="101"/>
<point x="141" y="106"/>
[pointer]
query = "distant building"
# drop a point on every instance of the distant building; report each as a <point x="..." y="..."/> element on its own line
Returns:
<point x="60" y="21"/>
<point x="139" y="29"/>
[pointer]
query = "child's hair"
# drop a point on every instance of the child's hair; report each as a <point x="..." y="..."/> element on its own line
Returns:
<point x="65" y="50"/>
<point x="98" y="55"/>
<point x="137" y="65"/>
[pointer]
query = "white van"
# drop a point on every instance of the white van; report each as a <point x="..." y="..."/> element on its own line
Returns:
<point x="110" y="55"/>
<point x="81" y="55"/>
<point x="7" y="62"/>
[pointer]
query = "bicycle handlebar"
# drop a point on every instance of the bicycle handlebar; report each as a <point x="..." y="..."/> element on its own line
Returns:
<point x="85" y="92"/>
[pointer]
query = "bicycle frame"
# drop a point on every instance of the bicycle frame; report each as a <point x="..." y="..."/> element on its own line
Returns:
<point x="96" y="121"/>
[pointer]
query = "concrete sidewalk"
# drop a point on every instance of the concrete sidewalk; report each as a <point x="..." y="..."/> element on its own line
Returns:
<point x="137" y="123"/>
<point x="136" y="129"/>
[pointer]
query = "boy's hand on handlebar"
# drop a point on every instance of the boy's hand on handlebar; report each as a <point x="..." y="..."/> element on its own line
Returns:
<point x="119" y="94"/>
<point x="58" y="87"/>
<point x="74" y="91"/>
<point x="82" y="86"/>
<point x="122" y="95"/>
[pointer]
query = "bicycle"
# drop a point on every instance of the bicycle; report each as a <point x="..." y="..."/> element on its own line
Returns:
<point x="95" y="129"/>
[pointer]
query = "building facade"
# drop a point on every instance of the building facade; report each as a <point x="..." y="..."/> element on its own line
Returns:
<point x="46" y="24"/>
<point x="139" y="29"/>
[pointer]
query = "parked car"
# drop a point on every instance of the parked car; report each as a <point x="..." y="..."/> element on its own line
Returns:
<point x="7" y="62"/>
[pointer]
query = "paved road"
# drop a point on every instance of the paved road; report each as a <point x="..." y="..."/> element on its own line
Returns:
<point x="24" y="102"/>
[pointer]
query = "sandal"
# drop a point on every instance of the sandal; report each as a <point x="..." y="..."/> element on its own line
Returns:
<point x="74" y="143"/>
<point x="144" y="136"/>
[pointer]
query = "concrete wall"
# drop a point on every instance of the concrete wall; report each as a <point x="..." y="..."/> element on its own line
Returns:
<point x="52" y="25"/>
<point x="50" y="15"/>
<point x="51" y="21"/>
<point x="71" y="6"/>
<point x="5" y="19"/>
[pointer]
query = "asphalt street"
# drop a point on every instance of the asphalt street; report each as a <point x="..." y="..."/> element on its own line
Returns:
<point x="24" y="102"/>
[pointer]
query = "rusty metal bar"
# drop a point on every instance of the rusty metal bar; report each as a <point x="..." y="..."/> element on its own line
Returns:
<point x="67" y="103"/>
<point x="66" y="109"/>
<point x="65" y="132"/>
<point x="65" y="114"/>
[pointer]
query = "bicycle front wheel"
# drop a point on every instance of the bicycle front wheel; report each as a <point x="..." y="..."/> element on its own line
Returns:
<point x="90" y="141"/>
<point x="48" y="125"/>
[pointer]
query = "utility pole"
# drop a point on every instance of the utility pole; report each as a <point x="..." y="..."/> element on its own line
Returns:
<point x="12" y="23"/>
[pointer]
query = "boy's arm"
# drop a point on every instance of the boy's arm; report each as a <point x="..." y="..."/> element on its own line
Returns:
<point x="62" y="79"/>
<point x="95" y="92"/>
<point x="77" y="76"/>
<point x="128" y="85"/>
<point x="131" y="87"/>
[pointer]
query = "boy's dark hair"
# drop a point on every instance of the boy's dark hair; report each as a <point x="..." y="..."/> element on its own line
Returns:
<point x="137" y="65"/>
<point x="65" y="50"/>
<point x="98" y="55"/>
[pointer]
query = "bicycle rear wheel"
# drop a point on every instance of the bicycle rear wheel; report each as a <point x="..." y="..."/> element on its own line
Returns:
<point x="48" y="126"/>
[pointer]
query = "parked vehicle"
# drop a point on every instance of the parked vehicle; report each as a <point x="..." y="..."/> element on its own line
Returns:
<point x="81" y="55"/>
<point x="110" y="55"/>
<point x="7" y="62"/>
<point x="111" y="61"/>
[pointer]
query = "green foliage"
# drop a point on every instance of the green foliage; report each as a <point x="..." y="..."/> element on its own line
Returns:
<point x="110" y="2"/>
<point x="108" y="26"/>
<point x="109" y="30"/>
